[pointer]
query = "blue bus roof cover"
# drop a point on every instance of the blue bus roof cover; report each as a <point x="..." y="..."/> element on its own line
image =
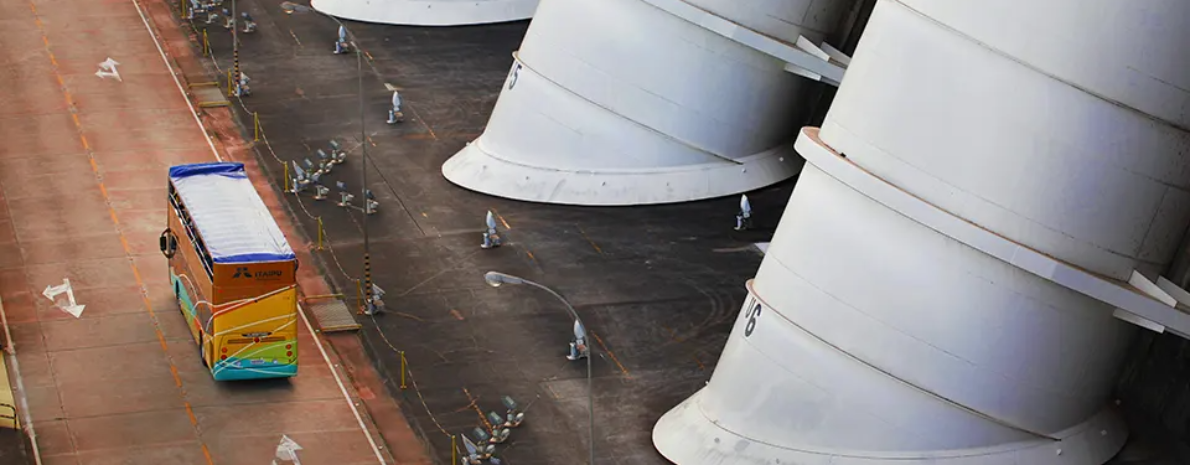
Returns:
<point x="233" y="221"/>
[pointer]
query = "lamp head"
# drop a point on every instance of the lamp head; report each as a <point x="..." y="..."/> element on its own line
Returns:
<point x="291" y="8"/>
<point x="496" y="279"/>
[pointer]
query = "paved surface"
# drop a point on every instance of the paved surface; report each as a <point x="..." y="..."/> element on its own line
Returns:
<point x="13" y="449"/>
<point x="659" y="286"/>
<point x="82" y="172"/>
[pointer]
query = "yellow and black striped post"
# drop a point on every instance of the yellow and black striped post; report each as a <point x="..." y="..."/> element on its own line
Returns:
<point x="367" y="279"/>
<point x="359" y="295"/>
<point x="236" y="60"/>
<point x="235" y="45"/>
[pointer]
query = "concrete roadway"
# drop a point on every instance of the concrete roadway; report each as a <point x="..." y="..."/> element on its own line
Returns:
<point x="82" y="196"/>
<point x="659" y="286"/>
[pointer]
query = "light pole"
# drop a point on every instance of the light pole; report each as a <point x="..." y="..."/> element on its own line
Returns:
<point x="496" y="279"/>
<point x="290" y="8"/>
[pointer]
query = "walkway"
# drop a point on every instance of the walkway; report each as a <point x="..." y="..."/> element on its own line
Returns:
<point x="82" y="173"/>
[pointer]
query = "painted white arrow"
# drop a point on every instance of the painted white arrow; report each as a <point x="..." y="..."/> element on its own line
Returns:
<point x="287" y="451"/>
<point x="71" y="307"/>
<point x="108" y="69"/>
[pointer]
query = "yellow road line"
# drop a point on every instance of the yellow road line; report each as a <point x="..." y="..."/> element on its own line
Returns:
<point x="611" y="354"/>
<point x="588" y="238"/>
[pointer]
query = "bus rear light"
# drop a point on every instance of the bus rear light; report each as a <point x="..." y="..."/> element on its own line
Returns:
<point x="223" y="358"/>
<point x="288" y="346"/>
<point x="225" y="350"/>
<point x="255" y="339"/>
<point x="289" y="354"/>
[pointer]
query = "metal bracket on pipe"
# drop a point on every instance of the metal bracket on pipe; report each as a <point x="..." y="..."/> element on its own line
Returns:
<point x="823" y="63"/>
<point x="825" y="53"/>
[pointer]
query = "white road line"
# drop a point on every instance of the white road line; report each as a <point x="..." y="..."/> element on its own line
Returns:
<point x="317" y="339"/>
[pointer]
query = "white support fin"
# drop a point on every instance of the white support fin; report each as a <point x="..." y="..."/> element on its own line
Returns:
<point x="1151" y="289"/>
<point x="1138" y="320"/>
<point x="836" y="54"/>
<point x="809" y="47"/>
<point x="1173" y="290"/>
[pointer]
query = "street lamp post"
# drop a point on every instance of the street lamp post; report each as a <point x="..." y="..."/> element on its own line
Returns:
<point x="290" y="7"/>
<point x="496" y="279"/>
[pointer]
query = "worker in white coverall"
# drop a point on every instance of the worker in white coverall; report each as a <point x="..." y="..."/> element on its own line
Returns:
<point x="578" y="347"/>
<point x="394" y="114"/>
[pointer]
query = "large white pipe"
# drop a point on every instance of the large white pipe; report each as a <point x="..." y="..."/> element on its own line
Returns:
<point x="428" y="12"/>
<point x="622" y="102"/>
<point x="996" y="182"/>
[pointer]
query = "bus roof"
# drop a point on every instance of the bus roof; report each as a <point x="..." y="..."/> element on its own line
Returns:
<point x="233" y="221"/>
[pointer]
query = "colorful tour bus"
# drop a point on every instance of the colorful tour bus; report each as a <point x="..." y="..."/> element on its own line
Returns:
<point x="232" y="271"/>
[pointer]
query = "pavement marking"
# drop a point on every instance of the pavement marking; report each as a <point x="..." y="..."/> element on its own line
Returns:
<point x="310" y="328"/>
<point x="501" y="218"/>
<point x="123" y="239"/>
<point x="475" y="405"/>
<point x="295" y="39"/>
<point x="611" y="354"/>
<point x="588" y="238"/>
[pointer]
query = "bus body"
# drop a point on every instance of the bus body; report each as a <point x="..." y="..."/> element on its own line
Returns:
<point x="232" y="271"/>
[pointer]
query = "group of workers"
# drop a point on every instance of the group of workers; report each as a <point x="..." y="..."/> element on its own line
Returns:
<point x="208" y="7"/>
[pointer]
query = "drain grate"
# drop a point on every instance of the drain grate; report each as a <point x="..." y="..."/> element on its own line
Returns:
<point x="332" y="315"/>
